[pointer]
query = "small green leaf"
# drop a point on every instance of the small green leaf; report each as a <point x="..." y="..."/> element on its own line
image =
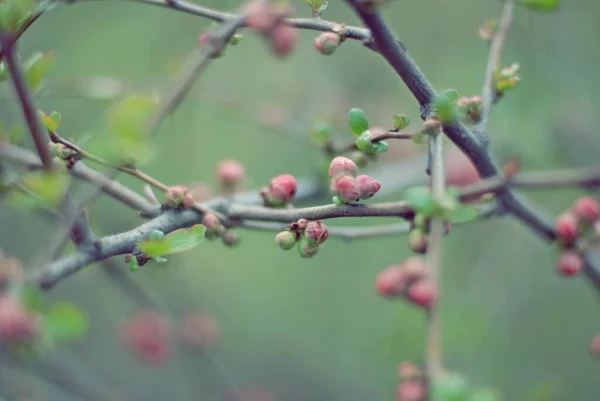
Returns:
<point x="465" y="214"/>
<point x="66" y="322"/>
<point x="49" y="122"/>
<point x="380" y="147"/>
<point x="56" y="117"/>
<point x="421" y="200"/>
<point x="445" y="109"/>
<point x="321" y="135"/>
<point x="358" y="121"/>
<point x="13" y="13"/>
<point x="338" y="201"/>
<point x="37" y="68"/>
<point x="452" y="95"/>
<point x="174" y="242"/>
<point x="363" y="142"/>
<point x="540" y="5"/>
<point x="420" y="138"/>
<point x="401" y="121"/>
<point x="47" y="187"/>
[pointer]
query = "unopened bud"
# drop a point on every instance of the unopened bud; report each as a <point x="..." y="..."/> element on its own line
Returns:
<point x="423" y="293"/>
<point x="417" y="241"/>
<point x="587" y="208"/>
<point x="210" y="221"/>
<point x="188" y="201"/>
<point x="391" y="281"/>
<point x="230" y="239"/>
<point x="346" y="188"/>
<point x="281" y="192"/>
<point x="286" y="240"/>
<point x="567" y="227"/>
<point x="259" y="15"/>
<point x="17" y="324"/>
<point x="412" y="390"/>
<point x="283" y="40"/>
<point x="307" y="248"/>
<point x="327" y="43"/>
<point x="341" y="166"/>
<point x="316" y="231"/>
<point x="368" y="186"/>
<point x="569" y="264"/>
<point x="176" y="195"/>
<point x="230" y="173"/>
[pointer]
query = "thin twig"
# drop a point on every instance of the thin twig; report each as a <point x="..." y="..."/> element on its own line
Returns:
<point x="488" y="91"/>
<point x="28" y="105"/>
<point x="434" y="359"/>
<point x="388" y="135"/>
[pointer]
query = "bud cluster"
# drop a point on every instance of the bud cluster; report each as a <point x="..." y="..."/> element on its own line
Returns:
<point x="267" y="18"/>
<point x="63" y="152"/>
<point x="470" y="108"/>
<point x="409" y="280"/>
<point x="280" y="192"/>
<point x="214" y="230"/>
<point x="346" y="186"/>
<point x="308" y="235"/>
<point x="411" y="387"/>
<point x="580" y="220"/>
<point x="179" y="197"/>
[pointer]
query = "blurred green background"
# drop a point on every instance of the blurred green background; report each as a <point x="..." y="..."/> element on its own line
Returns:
<point x="315" y="329"/>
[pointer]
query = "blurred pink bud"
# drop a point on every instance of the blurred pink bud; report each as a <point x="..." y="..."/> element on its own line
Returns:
<point x="391" y="281"/>
<point x="567" y="226"/>
<point x="188" y="201"/>
<point x="17" y="324"/>
<point x="147" y="336"/>
<point x="283" y="188"/>
<point x="414" y="268"/>
<point x="327" y="43"/>
<point x="210" y="221"/>
<point x="176" y="195"/>
<point x="204" y="38"/>
<point x="570" y="263"/>
<point x="412" y="390"/>
<point x="199" y="330"/>
<point x="423" y="293"/>
<point x="230" y="238"/>
<point x="341" y="166"/>
<point x="201" y="192"/>
<point x="283" y="40"/>
<point x="408" y="370"/>
<point x="316" y="231"/>
<point x="595" y="346"/>
<point x="230" y="173"/>
<point x="260" y="15"/>
<point x="368" y="186"/>
<point x="587" y="208"/>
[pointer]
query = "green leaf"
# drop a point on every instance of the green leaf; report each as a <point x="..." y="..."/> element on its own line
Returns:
<point x="37" y="68"/>
<point x="66" y="322"/>
<point x="47" y="187"/>
<point x="174" y="242"/>
<point x="401" y="121"/>
<point x="421" y="200"/>
<point x="56" y="117"/>
<point x="13" y="12"/>
<point x="321" y="135"/>
<point x="127" y="125"/>
<point x="465" y="214"/>
<point x="445" y="109"/>
<point x="363" y="142"/>
<point x="358" y="121"/>
<point x="50" y="124"/>
<point x="452" y="95"/>
<point x="540" y="5"/>
<point x="451" y="387"/>
<point x="380" y="147"/>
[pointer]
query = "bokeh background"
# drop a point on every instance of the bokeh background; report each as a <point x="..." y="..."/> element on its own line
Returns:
<point x="316" y="329"/>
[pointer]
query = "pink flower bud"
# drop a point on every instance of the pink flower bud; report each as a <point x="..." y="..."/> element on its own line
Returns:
<point x="188" y="201"/>
<point x="316" y="231"/>
<point x="175" y="195"/>
<point x="414" y="268"/>
<point x="346" y="188"/>
<point x="210" y="221"/>
<point x="587" y="208"/>
<point x="327" y="43"/>
<point x="17" y="324"/>
<point x="302" y="223"/>
<point x="567" y="227"/>
<point x="283" y="40"/>
<point x="147" y="336"/>
<point x="423" y="293"/>
<point x="230" y="239"/>
<point x="341" y="166"/>
<point x="199" y="330"/>
<point x="283" y="189"/>
<point x="569" y="264"/>
<point x="391" y="281"/>
<point x="230" y="173"/>
<point x="259" y="15"/>
<point x="412" y="390"/>
<point x="408" y="370"/>
<point x="368" y="186"/>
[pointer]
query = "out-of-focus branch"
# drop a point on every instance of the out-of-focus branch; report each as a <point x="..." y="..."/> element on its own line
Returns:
<point x="489" y="91"/>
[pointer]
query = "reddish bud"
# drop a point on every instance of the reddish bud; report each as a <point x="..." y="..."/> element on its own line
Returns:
<point x="302" y="223"/>
<point x="567" y="227"/>
<point x="341" y="166"/>
<point x="423" y="293"/>
<point x="316" y="231"/>
<point x="327" y="43"/>
<point x="230" y="239"/>
<point x="346" y="188"/>
<point x="283" y="40"/>
<point x="431" y="126"/>
<point x="188" y="201"/>
<point x="595" y="346"/>
<point x="368" y="186"/>
<point x="417" y="241"/>
<point x="569" y="264"/>
<point x="414" y="268"/>
<point x="210" y="221"/>
<point x="147" y="336"/>
<point x="230" y="173"/>
<point x="176" y="195"/>
<point x="17" y="324"/>
<point x="408" y="371"/>
<point x="199" y="330"/>
<point x="391" y="281"/>
<point x="282" y="190"/>
<point x="286" y="240"/>
<point x="259" y="15"/>
<point x="412" y="390"/>
<point x="587" y="208"/>
<point x="460" y="171"/>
